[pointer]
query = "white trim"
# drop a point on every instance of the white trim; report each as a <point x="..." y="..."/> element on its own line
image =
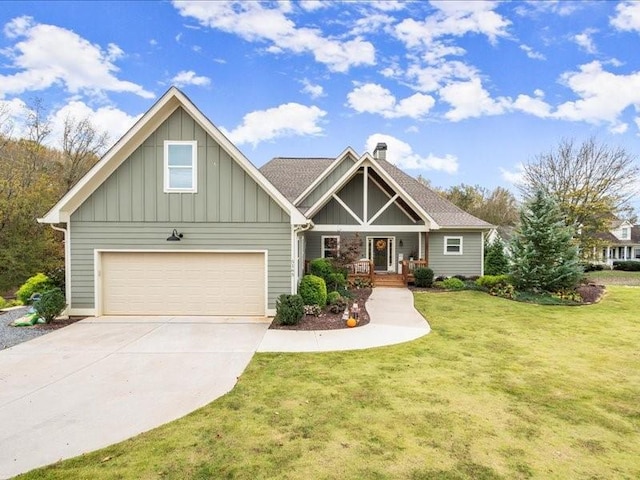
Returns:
<point x="349" y="174"/>
<point x="346" y="207"/>
<point x="384" y="207"/>
<point x="453" y="237"/>
<point x="322" y="248"/>
<point x="482" y="255"/>
<point x="419" y="247"/>
<point x="81" y="312"/>
<point x="365" y="194"/>
<point x="389" y="196"/>
<point x="348" y="151"/>
<point x="97" y="269"/>
<point x="368" y="228"/>
<point x="194" y="166"/>
<point x="130" y="141"/>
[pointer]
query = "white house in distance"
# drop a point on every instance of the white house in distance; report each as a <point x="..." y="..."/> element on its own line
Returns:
<point x="622" y="242"/>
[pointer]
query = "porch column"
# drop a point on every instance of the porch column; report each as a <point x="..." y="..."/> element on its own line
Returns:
<point x="419" y="246"/>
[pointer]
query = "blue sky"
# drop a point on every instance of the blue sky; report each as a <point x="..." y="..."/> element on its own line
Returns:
<point x="462" y="92"/>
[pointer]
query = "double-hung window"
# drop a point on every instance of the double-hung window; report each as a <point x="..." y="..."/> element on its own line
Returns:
<point x="330" y="246"/>
<point x="453" y="245"/>
<point x="625" y="234"/>
<point x="180" y="166"/>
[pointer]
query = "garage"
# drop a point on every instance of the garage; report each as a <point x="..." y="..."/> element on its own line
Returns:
<point x="182" y="283"/>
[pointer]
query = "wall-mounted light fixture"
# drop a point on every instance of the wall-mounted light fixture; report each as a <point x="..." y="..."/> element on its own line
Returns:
<point x="400" y="243"/>
<point x="175" y="236"/>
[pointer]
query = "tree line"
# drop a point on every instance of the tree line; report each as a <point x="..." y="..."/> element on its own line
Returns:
<point x="33" y="176"/>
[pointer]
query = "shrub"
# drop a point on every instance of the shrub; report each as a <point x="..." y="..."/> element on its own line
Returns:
<point x="360" y="282"/>
<point x="487" y="282"/>
<point x="592" y="267"/>
<point x="439" y="284"/>
<point x="336" y="281"/>
<point x="626" y="266"/>
<point x="313" y="290"/>
<point x="289" y="309"/>
<point x="37" y="284"/>
<point x="50" y="305"/>
<point x="321" y="267"/>
<point x="453" y="284"/>
<point x="333" y="297"/>
<point x="423" y="277"/>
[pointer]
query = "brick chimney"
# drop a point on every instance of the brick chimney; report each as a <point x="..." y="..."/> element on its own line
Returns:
<point x="380" y="152"/>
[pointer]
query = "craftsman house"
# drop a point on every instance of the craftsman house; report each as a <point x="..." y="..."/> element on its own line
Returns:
<point x="175" y="220"/>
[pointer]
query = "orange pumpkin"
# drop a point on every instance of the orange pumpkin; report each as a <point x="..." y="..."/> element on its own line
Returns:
<point x="351" y="322"/>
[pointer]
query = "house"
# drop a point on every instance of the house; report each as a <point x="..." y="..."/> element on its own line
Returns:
<point x="175" y="220"/>
<point x="502" y="233"/>
<point x="622" y="242"/>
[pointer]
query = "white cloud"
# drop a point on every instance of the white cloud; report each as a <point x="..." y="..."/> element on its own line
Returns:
<point x="107" y="119"/>
<point x="534" y="106"/>
<point x="470" y="99"/>
<point x="402" y="155"/>
<point x="585" y="41"/>
<point x="454" y="19"/>
<point x="47" y="55"/>
<point x="373" y="98"/>
<point x="190" y="78"/>
<point x="431" y="78"/>
<point x="531" y="53"/>
<point x="627" y="16"/>
<point x="515" y="177"/>
<point x="12" y="115"/>
<point x="290" y="119"/>
<point x="257" y="22"/>
<point x="603" y="96"/>
<point x="313" y="90"/>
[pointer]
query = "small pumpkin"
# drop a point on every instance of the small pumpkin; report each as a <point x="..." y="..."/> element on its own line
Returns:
<point x="351" y="322"/>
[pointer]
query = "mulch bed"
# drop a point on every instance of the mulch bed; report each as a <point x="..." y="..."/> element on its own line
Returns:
<point x="331" y="321"/>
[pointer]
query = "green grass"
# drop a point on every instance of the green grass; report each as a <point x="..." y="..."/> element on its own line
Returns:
<point x="498" y="390"/>
<point x="615" y="277"/>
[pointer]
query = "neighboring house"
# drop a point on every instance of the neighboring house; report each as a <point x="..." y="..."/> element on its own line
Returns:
<point x="502" y="233"/>
<point x="175" y="220"/>
<point x="622" y="242"/>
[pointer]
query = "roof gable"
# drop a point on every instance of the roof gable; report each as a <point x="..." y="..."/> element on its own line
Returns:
<point x="130" y="141"/>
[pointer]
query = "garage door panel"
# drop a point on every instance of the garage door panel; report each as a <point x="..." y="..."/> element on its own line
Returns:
<point x="182" y="283"/>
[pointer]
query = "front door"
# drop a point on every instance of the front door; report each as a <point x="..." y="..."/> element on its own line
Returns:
<point x="380" y="251"/>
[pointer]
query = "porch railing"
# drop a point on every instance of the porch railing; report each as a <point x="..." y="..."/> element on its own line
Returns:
<point x="362" y="268"/>
<point x="408" y="266"/>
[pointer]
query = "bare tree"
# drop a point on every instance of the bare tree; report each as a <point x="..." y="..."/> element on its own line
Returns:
<point x="591" y="182"/>
<point x="498" y="207"/>
<point x="81" y="146"/>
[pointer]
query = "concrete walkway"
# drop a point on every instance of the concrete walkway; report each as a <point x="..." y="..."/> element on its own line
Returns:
<point x="392" y="320"/>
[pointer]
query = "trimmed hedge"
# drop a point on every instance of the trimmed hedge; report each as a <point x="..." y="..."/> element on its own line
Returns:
<point x="627" y="265"/>
<point x="313" y="290"/>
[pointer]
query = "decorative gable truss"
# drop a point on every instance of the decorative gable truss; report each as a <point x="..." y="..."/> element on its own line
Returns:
<point x="367" y="199"/>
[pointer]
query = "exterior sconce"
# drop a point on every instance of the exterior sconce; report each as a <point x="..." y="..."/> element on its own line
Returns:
<point x="400" y="243"/>
<point x="175" y="236"/>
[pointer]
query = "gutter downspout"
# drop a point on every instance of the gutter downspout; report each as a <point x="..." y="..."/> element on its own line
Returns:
<point x="296" y="253"/>
<point x="67" y="264"/>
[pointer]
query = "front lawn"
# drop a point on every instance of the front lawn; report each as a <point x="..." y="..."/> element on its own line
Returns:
<point x="615" y="277"/>
<point x="498" y="390"/>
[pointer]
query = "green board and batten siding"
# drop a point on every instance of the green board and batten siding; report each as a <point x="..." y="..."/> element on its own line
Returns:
<point x="130" y="210"/>
<point x="335" y="175"/>
<point x="468" y="264"/>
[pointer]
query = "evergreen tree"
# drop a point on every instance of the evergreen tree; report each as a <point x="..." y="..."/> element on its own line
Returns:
<point x="495" y="259"/>
<point x="545" y="257"/>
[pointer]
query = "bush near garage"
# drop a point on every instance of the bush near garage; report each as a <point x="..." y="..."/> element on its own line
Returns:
<point x="289" y="309"/>
<point x="39" y="283"/>
<point x="313" y="290"/>
<point x="50" y="305"/>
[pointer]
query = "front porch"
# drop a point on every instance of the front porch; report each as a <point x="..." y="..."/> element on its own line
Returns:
<point x="365" y="270"/>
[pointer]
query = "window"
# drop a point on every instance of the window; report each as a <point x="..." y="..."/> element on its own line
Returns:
<point x="625" y="234"/>
<point x="453" y="245"/>
<point x="637" y="253"/>
<point x="180" y="166"/>
<point x="330" y="246"/>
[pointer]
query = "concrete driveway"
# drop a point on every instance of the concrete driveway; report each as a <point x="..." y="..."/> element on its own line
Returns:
<point x="102" y="380"/>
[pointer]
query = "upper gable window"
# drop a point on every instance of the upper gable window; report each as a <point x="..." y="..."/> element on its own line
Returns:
<point x="625" y="234"/>
<point x="180" y="166"/>
<point x="453" y="245"/>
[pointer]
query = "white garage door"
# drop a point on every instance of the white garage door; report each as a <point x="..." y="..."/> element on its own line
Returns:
<point x="182" y="283"/>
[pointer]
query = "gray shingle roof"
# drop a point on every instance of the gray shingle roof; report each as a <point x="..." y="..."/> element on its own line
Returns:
<point x="293" y="175"/>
